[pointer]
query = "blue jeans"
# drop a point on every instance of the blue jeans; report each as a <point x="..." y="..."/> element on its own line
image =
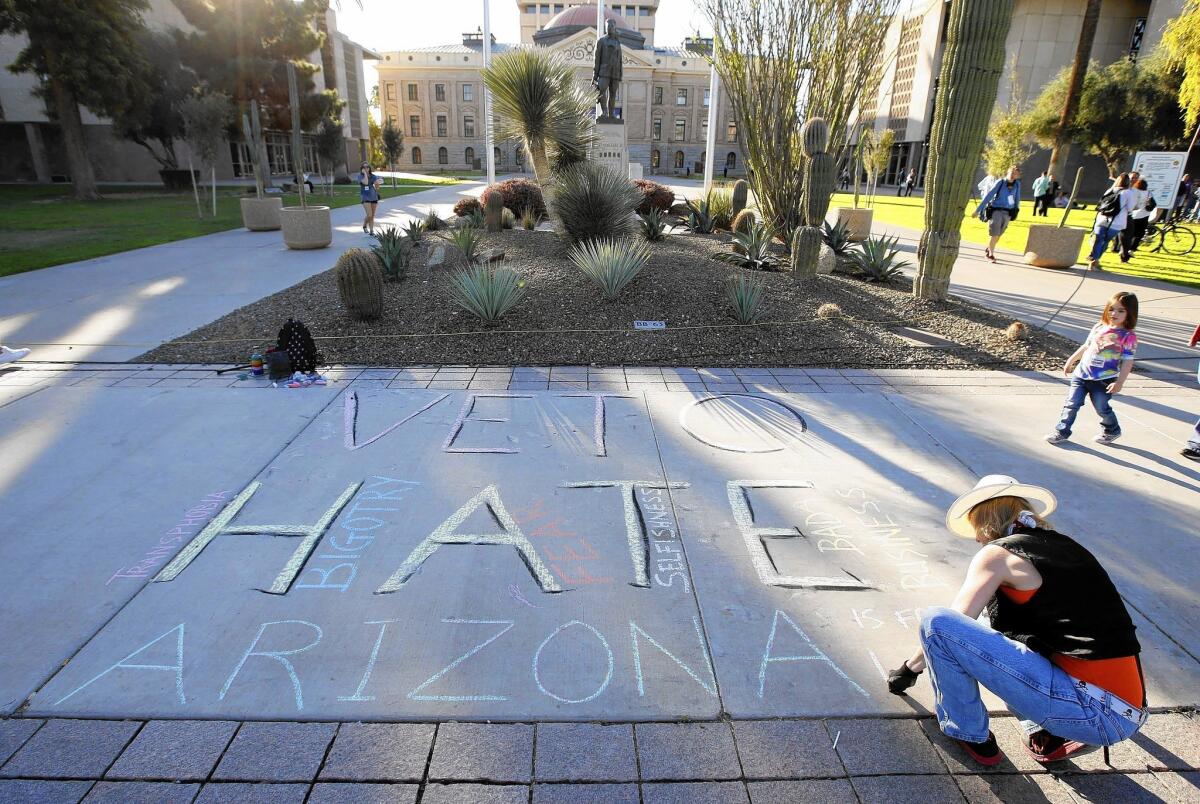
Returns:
<point x="962" y="653"/>
<point x="1100" y="241"/>
<point x="1098" y="391"/>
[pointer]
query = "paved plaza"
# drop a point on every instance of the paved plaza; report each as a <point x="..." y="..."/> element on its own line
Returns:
<point x="566" y="583"/>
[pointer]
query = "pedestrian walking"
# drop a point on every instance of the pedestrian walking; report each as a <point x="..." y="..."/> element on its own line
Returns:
<point x="1192" y="450"/>
<point x="1099" y="368"/>
<point x="1000" y="204"/>
<point x="845" y="179"/>
<point x="1060" y="648"/>
<point x="910" y="181"/>
<point x="1139" y="219"/>
<point x="12" y="355"/>
<point x="368" y="195"/>
<point x="1112" y="214"/>
<point x="1041" y="194"/>
<point x="1182" y="197"/>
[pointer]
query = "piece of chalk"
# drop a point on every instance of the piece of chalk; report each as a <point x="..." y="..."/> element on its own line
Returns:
<point x="835" y="739"/>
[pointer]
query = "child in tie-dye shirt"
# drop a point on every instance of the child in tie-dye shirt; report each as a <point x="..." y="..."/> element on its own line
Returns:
<point x="1099" y="368"/>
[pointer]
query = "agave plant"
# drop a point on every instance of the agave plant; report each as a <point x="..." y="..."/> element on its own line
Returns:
<point x="591" y="201"/>
<point x="745" y="294"/>
<point x="751" y="249"/>
<point x="466" y="239"/>
<point x="530" y="218"/>
<point x="538" y="102"/>
<point x="611" y="264"/>
<point x="699" y="219"/>
<point x="720" y="207"/>
<point x="837" y="237"/>
<point x="473" y="218"/>
<point x="654" y="224"/>
<point x="433" y="223"/>
<point x="488" y="291"/>
<point x="393" y="250"/>
<point x="876" y="259"/>
<point x="413" y="230"/>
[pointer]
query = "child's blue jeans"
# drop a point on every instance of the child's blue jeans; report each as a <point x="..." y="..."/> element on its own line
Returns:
<point x="1098" y="391"/>
<point x="962" y="653"/>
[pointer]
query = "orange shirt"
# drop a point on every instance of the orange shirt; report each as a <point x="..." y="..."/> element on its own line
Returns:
<point x="1120" y="676"/>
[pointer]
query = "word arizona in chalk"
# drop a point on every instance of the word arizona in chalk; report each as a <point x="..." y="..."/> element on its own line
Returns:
<point x="573" y="663"/>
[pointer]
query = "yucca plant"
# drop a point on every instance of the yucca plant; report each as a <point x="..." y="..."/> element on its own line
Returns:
<point x="488" y="291"/>
<point x="393" y="251"/>
<point x="466" y="239"/>
<point x="699" y="219"/>
<point x="413" y="230"/>
<point x="751" y="249"/>
<point x="745" y="294"/>
<point x="433" y="223"/>
<point x="611" y="264"/>
<point x="538" y="102"/>
<point x="837" y="237"/>
<point x="875" y="260"/>
<point x="473" y="218"/>
<point x="591" y="201"/>
<point x="654" y="224"/>
<point x="530" y="218"/>
<point x="720" y="207"/>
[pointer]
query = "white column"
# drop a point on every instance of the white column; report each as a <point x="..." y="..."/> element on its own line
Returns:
<point x="599" y="18"/>
<point x="710" y="142"/>
<point x="488" y="141"/>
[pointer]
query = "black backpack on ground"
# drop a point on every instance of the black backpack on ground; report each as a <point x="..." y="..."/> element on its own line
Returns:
<point x="297" y="342"/>
<point x="1110" y="204"/>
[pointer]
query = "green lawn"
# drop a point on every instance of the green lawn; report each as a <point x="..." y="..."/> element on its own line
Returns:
<point x="40" y="225"/>
<point x="909" y="212"/>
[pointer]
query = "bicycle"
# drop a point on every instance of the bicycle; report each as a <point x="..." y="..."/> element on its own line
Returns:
<point x="1169" y="236"/>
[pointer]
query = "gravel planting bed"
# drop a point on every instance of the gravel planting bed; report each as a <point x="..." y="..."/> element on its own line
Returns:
<point x="563" y="319"/>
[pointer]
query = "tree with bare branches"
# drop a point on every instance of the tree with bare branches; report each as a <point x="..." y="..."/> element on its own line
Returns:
<point x="784" y="61"/>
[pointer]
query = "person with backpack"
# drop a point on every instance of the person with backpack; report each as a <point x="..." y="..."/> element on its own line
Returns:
<point x="1112" y="215"/>
<point x="1000" y="204"/>
<point x="1139" y="219"/>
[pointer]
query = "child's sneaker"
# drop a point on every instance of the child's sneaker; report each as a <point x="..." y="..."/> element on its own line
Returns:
<point x="1106" y="438"/>
<point x="1056" y="437"/>
<point x="1191" y="453"/>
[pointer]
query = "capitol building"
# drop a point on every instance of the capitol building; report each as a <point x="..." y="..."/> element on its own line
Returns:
<point x="435" y="94"/>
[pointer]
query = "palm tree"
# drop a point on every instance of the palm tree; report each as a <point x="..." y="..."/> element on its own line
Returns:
<point x="539" y="103"/>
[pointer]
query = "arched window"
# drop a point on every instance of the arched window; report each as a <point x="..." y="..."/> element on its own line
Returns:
<point x="679" y="160"/>
<point x="703" y="160"/>
<point x="416" y="156"/>
<point x="469" y="156"/>
<point x="496" y="154"/>
<point x="731" y="160"/>
<point x="519" y="155"/>
<point x="443" y="156"/>
<point x="655" y="159"/>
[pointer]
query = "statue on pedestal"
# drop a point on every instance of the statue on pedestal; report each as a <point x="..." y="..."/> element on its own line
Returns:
<point x="606" y="76"/>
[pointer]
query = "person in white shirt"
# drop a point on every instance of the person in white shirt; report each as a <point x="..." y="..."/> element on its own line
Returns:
<point x="1143" y="207"/>
<point x="1112" y="215"/>
<point x="1041" y="194"/>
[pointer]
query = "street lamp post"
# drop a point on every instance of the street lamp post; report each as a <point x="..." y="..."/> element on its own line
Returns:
<point x="489" y="145"/>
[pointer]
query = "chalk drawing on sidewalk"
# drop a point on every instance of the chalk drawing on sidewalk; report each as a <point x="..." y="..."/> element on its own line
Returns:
<point x="176" y="668"/>
<point x="415" y="696"/>
<point x="350" y="419"/>
<point x="774" y="425"/>
<point x="277" y="655"/>
<point x="537" y="676"/>
<point x="817" y="655"/>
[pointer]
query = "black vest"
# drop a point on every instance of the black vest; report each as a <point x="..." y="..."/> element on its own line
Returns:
<point x="1076" y="611"/>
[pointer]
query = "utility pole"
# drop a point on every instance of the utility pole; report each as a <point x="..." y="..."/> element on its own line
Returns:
<point x="489" y="144"/>
<point x="710" y="141"/>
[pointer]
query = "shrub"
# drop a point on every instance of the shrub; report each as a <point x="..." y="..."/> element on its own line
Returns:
<point x="745" y="294"/>
<point x="413" y="230"/>
<point x="751" y="250"/>
<point x="720" y="206"/>
<point x="466" y="240"/>
<point x="654" y="196"/>
<point x="744" y="221"/>
<point x="876" y="259"/>
<point x="699" y="218"/>
<point x="488" y="291"/>
<point x="530" y="218"/>
<point x="393" y="251"/>
<point x="519" y="194"/>
<point x="590" y="201"/>
<point x="611" y="264"/>
<point x="654" y="224"/>
<point x="360" y="284"/>
<point x="837" y="237"/>
<point x="435" y="224"/>
<point x="465" y="206"/>
<point x="829" y="310"/>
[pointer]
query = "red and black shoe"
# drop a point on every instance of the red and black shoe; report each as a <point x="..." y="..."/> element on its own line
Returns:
<point x="986" y="753"/>
<point x="1044" y="747"/>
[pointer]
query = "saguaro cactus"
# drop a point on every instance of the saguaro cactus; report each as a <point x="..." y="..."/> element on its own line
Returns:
<point x="493" y="210"/>
<point x="806" y="251"/>
<point x="741" y="194"/>
<point x="360" y="283"/>
<point x="819" y="168"/>
<point x="744" y="221"/>
<point x="971" y="67"/>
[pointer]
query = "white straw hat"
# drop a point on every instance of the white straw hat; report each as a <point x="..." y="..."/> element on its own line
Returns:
<point x="1042" y="501"/>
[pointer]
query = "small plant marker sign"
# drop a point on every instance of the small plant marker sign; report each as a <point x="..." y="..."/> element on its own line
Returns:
<point x="649" y="324"/>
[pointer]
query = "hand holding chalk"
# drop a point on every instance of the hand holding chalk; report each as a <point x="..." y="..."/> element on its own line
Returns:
<point x="901" y="679"/>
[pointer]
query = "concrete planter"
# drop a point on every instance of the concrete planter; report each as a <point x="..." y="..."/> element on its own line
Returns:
<point x="261" y="214"/>
<point x="1052" y="247"/>
<point x="306" y="228"/>
<point x="857" y="221"/>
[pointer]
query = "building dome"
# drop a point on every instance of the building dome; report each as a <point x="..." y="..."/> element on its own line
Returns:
<point x="582" y="16"/>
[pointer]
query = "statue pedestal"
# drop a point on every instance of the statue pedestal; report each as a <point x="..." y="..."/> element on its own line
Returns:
<point x="611" y="149"/>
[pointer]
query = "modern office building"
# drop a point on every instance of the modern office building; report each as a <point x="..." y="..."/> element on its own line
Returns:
<point x="435" y="94"/>
<point x="30" y="143"/>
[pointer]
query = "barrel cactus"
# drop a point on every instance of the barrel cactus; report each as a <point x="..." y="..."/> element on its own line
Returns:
<point x="744" y="221"/>
<point x="806" y="251"/>
<point x="971" y="65"/>
<point x="819" y="167"/>
<point x="360" y="284"/>
<point x="493" y="210"/>
<point x="741" y="194"/>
